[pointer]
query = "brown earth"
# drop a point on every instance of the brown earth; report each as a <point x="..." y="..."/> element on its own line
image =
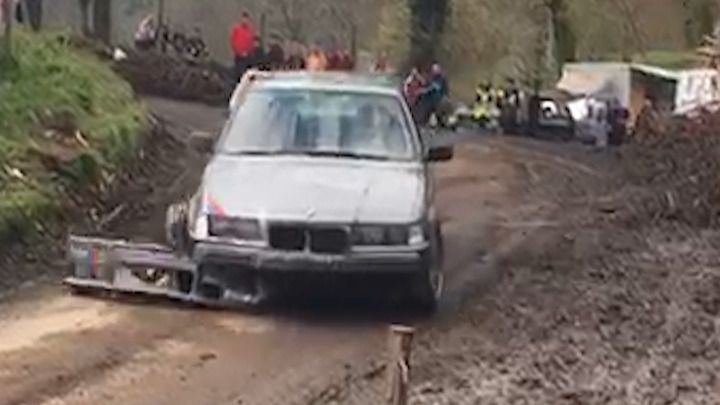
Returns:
<point x="552" y="297"/>
<point x="157" y="74"/>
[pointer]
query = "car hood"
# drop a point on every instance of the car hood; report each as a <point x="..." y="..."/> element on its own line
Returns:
<point x="314" y="189"/>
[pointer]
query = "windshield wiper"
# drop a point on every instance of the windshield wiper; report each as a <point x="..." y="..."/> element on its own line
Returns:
<point x="342" y="154"/>
<point x="255" y="152"/>
<point x="319" y="153"/>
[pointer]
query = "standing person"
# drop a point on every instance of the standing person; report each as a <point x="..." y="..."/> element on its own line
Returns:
<point x="242" y="40"/>
<point x="316" y="60"/>
<point x="414" y="83"/>
<point x="295" y="59"/>
<point x="617" y="117"/>
<point x="382" y="64"/>
<point x="276" y="56"/>
<point x="348" y="61"/>
<point x="146" y="33"/>
<point x="432" y="96"/>
<point x="511" y="107"/>
<point x="259" y="59"/>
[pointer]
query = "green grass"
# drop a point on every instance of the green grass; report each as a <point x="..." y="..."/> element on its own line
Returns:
<point x="48" y="77"/>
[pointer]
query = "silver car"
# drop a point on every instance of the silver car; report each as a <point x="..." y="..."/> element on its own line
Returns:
<point x="313" y="172"/>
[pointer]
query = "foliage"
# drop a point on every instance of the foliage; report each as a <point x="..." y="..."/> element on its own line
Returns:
<point x="393" y="35"/>
<point x="62" y="105"/>
<point x="700" y="18"/>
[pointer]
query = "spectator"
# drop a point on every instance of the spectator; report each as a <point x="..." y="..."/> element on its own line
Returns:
<point x="259" y="59"/>
<point x="334" y="60"/>
<point x="431" y="98"/>
<point x="146" y="33"/>
<point x="348" y="63"/>
<point x="382" y="64"/>
<point x="294" y="59"/>
<point x="412" y="87"/>
<point x="243" y="41"/>
<point x="316" y="60"/>
<point x="276" y="56"/>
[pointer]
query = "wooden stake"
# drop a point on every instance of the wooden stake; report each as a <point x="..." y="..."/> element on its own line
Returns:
<point x="400" y="347"/>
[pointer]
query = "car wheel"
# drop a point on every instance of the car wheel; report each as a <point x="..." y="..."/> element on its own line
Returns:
<point x="176" y="233"/>
<point x="429" y="283"/>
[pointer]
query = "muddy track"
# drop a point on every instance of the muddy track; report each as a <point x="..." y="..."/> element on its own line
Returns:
<point x="60" y="349"/>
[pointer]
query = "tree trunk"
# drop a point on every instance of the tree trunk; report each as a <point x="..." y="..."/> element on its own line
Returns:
<point x="8" y="17"/>
<point x="427" y="25"/>
<point x="161" y="12"/>
<point x="85" y="17"/>
<point x="102" y="19"/>
<point x="34" y="14"/>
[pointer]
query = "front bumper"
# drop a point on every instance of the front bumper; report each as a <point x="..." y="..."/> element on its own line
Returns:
<point x="219" y="275"/>
<point x="267" y="260"/>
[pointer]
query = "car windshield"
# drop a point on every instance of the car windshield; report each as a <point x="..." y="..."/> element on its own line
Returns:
<point x="319" y="123"/>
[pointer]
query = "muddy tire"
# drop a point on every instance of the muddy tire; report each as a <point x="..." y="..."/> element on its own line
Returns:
<point x="428" y="284"/>
<point x="176" y="230"/>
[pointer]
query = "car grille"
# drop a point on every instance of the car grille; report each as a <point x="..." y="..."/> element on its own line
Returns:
<point x="327" y="240"/>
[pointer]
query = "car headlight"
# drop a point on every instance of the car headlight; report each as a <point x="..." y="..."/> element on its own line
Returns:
<point x="236" y="228"/>
<point x="388" y="235"/>
<point x="416" y="235"/>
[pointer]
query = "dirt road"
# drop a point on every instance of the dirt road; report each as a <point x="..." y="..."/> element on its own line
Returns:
<point x="61" y="349"/>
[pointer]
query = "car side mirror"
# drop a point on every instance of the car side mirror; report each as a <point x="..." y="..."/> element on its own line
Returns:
<point x="202" y="142"/>
<point x="440" y="154"/>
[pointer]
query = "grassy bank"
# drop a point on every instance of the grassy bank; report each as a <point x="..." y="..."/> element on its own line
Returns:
<point x="66" y="120"/>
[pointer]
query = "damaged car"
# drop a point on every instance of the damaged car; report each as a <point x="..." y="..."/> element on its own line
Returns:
<point x="312" y="173"/>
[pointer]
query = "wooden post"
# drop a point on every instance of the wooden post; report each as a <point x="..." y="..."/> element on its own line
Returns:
<point x="400" y="345"/>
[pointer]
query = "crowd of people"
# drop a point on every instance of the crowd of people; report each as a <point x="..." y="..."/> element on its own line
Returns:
<point x="426" y="92"/>
<point x="250" y="52"/>
<point x="499" y="103"/>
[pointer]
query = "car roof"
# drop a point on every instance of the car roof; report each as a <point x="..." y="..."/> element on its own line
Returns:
<point x="335" y="81"/>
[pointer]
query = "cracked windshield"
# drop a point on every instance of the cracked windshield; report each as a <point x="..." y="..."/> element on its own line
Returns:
<point x="364" y="202"/>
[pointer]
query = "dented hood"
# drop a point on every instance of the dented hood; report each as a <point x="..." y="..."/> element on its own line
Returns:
<point x="314" y="189"/>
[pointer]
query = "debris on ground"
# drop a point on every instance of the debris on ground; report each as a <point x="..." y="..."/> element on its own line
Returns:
<point x="675" y="161"/>
<point x="158" y="74"/>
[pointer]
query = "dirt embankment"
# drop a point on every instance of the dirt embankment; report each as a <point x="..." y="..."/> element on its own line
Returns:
<point x="128" y="203"/>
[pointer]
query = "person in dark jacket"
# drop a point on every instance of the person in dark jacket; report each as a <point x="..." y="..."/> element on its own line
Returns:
<point x="276" y="57"/>
<point x="432" y="96"/>
<point x="259" y="59"/>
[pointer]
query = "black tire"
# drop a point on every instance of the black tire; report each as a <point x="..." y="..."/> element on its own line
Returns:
<point x="428" y="284"/>
<point x="176" y="231"/>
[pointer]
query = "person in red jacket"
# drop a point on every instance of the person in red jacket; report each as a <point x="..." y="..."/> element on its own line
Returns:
<point x="242" y="39"/>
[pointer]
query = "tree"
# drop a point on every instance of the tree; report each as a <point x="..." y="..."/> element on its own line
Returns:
<point x="427" y="25"/>
<point x="102" y="20"/>
<point x="700" y="18"/>
<point x="34" y="10"/>
<point x="7" y="14"/>
<point x="562" y="32"/>
<point x="85" y="17"/>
